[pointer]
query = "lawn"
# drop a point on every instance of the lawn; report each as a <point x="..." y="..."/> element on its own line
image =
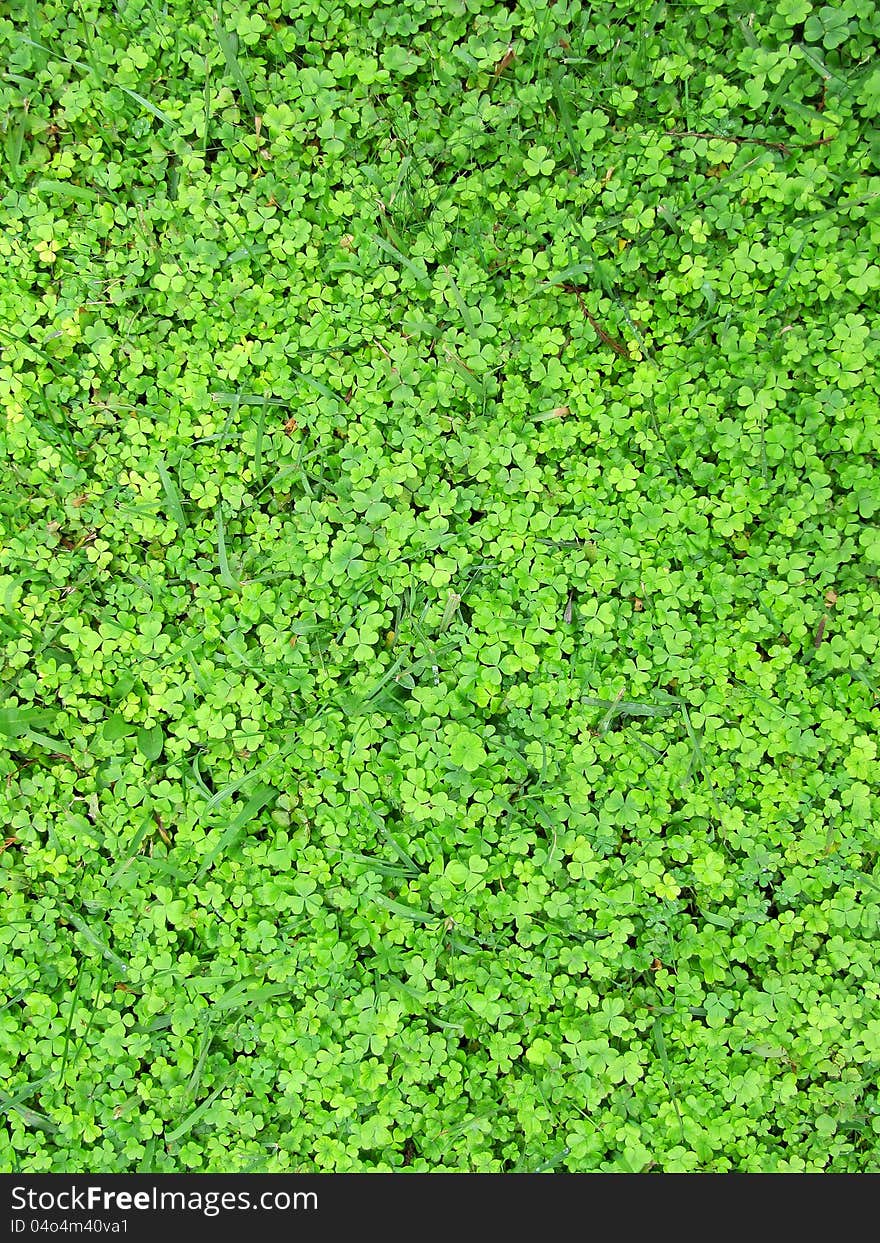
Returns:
<point x="439" y="580"/>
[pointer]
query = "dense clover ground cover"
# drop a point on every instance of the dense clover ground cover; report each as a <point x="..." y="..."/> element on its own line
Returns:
<point x="439" y="571"/>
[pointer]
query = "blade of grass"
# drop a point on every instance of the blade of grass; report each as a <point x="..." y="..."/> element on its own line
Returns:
<point x="52" y="745"/>
<point x="463" y="309"/>
<point x="379" y="865"/>
<point x="473" y="381"/>
<point x="83" y="1044"/>
<point x="634" y="328"/>
<point x="201" y="681"/>
<point x="233" y="787"/>
<point x="13" y="1001"/>
<point x="565" y="276"/>
<point x="626" y="708"/>
<point x="261" y="797"/>
<point x="450" y="609"/>
<point x="29" y="1116"/>
<point x="241" y="995"/>
<point x="199" y="1112"/>
<point x="405" y="912"/>
<point x="175" y="507"/>
<point x="133" y="848"/>
<point x="17" y="721"/>
<point x="317" y="386"/>
<point x="77" y="64"/>
<point x="94" y="941"/>
<point x="549" y="1163"/>
<point x="258" y="448"/>
<point x="226" y="577"/>
<point x="394" y="253"/>
<point x="14" y="144"/>
<point x="88" y="69"/>
<point x="405" y="165"/>
<point x="244" y="252"/>
<point x="94" y="63"/>
<point x="783" y="284"/>
<point x="196" y="1077"/>
<point x="251" y="399"/>
<point x="697" y="760"/>
<point x="145" y="1166"/>
<point x="539" y="45"/>
<point x="660" y="1045"/>
<point x="207" y="98"/>
<point x="819" y="65"/>
<point x="395" y="845"/>
<point x="33" y="21"/>
<point x="565" y="115"/>
<point x="158" y="864"/>
<point x="250" y="251"/>
<point x="779" y="94"/>
<point x="390" y="232"/>
<point x="70" y="1015"/>
<point x="229" y="47"/>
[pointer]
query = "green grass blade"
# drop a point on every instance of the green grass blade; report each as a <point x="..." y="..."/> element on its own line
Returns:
<point x="53" y="745"/>
<point x="317" y="386"/>
<point x="68" y="1025"/>
<point x="14" y="145"/>
<point x="379" y="865"/>
<point x="14" y="722"/>
<point x="229" y="47"/>
<point x="234" y="786"/>
<point x="261" y="797"/>
<point x="204" y="1049"/>
<point x="226" y="576"/>
<point x="133" y="849"/>
<point x="815" y="62"/>
<point x="463" y="309"/>
<point x="660" y="1045"/>
<point x="405" y="912"/>
<point x="242" y="995"/>
<point x="207" y="102"/>
<point x="95" y="941"/>
<point x="172" y="497"/>
<point x="401" y="258"/>
<point x="199" y="1112"/>
<point x="571" y="273"/>
<point x="258" y="447"/>
<point x="252" y="399"/>
<point x="565" y="115"/>
<point x="244" y="252"/>
<point x="30" y="1117"/>
<point x="473" y="381"/>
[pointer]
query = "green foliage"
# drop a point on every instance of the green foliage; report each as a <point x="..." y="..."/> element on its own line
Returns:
<point x="439" y="579"/>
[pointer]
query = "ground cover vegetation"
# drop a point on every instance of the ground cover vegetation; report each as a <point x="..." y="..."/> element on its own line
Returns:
<point x="439" y="579"/>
